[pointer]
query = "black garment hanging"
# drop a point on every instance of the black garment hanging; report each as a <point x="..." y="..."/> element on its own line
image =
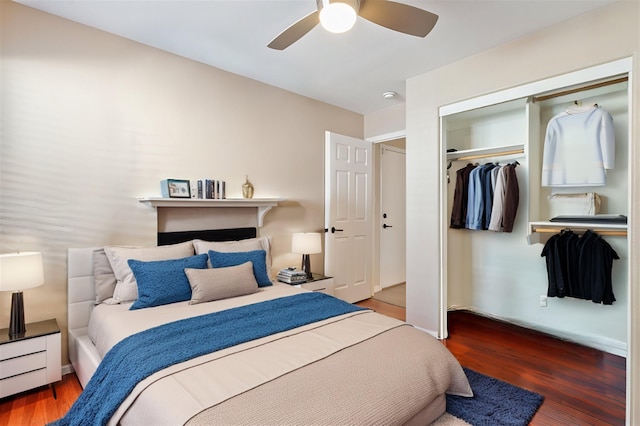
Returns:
<point x="459" y="211"/>
<point x="580" y="266"/>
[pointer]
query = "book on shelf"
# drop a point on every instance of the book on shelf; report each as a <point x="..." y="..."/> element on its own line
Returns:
<point x="211" y="189"/>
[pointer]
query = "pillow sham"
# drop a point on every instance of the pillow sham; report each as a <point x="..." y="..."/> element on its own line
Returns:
<point x="260" y="243"/>
<point x="104" y="279"/>
<point x="256" y="257"/>
<point x="161" y="282"/>
<point x="126" y="289"/>
<point x="221" y="283"/>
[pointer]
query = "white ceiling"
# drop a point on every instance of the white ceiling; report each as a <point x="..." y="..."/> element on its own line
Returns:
<point x="349" y="70"/>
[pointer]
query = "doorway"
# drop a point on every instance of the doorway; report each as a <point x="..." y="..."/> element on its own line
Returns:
<point x="391" y="184"/>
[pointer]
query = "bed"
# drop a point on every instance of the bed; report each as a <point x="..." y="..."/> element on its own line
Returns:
<point x="341" y="365"/>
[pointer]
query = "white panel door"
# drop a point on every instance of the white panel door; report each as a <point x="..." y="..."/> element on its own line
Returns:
<point x="348" y="207"/>
<point x="393" y="208"/>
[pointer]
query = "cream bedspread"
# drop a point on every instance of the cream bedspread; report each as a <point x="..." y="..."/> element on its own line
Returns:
<point x="358" y="368"/>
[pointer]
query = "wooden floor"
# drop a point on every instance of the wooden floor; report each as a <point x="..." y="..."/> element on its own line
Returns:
<point x="581" y="386"/>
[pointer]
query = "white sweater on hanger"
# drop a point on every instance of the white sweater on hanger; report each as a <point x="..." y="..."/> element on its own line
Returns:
<point x="579" y="145"/>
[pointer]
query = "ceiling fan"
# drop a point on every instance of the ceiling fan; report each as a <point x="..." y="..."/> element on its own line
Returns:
<point x="395" y="16"/>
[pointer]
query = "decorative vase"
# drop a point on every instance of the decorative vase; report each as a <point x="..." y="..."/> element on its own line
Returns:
<point x="247" y="188"/>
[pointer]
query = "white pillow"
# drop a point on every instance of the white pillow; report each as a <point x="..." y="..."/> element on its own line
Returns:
<point x="221" y="283"/>
<point x="250" y="244"/>
<point x="126" y="288"/>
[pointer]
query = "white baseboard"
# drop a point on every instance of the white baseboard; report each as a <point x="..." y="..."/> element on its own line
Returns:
<point x="67" y="369"/>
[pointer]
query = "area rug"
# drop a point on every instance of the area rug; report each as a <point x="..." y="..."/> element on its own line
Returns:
<point x="495" y="403"/>
<point x="394" y="295"/>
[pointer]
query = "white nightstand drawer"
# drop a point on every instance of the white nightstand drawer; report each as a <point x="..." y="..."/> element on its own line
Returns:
<point x="324" y="285"/>
<point x="23" y="382"/>
<point x="23" y="364"/>
<point x="22" y="347"/>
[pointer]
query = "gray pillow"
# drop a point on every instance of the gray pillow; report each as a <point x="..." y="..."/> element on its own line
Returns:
<point x="103" y="277"/>
<point x="221" y="283"/>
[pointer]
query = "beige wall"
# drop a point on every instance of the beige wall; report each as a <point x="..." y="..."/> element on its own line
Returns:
<point x="90" y="121"/>
<point x="598" y="37"/>
<point x="386" y="123"/>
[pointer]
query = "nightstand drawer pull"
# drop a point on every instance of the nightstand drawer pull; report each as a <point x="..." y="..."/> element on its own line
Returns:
<point x="29" y="346"/>
<point x="23" y="364"/>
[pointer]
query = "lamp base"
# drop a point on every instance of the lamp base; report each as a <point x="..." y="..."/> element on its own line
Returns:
<point x="306" y="266"/>
<point x="16" y="325"/>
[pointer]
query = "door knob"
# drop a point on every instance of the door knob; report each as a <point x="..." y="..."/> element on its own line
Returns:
<point x="333" y="230"/>
<point x="385" y="226"/>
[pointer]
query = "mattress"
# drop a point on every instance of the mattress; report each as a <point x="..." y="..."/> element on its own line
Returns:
<point x="356" y="368"/>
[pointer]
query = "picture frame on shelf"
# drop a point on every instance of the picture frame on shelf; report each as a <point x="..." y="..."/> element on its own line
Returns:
<point x="175" y="188"/>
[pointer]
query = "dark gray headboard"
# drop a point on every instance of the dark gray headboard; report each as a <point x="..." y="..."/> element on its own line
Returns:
<point x="233" y="234"/>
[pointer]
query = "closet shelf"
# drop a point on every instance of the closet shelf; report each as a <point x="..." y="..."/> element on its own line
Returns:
<point x="477" y="153"/>
<point x="609" y="229"/>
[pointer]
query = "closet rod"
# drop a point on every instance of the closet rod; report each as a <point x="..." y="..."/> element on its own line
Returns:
<point x="610" y="233"/>
<point x="495" y="154"/>
<point x="580" y="89"/>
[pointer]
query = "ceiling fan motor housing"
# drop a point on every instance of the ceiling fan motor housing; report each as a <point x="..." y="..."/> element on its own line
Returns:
<point x="355" y="4"/>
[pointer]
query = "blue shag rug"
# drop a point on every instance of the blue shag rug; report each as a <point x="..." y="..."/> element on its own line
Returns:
<point x="494" y="402"/>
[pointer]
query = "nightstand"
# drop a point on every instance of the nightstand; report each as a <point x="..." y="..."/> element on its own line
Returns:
<point x="32" y="360"/>
<point x="318" y="283"/>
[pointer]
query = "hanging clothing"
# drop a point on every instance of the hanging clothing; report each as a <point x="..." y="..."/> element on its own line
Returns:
<point x="511" y="198"/>
<point x="461" y="197"/>
<point x="479" y="183"/>
<point x="580" y="267"/>
<point x="579" y="145"/>
<point x="487" y="194"/>
<point x="495" y="224"/>
<point x="475" y="206"/>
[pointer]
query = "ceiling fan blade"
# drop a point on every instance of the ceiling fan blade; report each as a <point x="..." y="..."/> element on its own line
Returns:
<point x="295" y="31"/>
<point x="398" y="16"/>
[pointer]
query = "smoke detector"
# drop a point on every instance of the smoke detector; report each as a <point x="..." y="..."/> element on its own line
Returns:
<point x="389" y="95"/>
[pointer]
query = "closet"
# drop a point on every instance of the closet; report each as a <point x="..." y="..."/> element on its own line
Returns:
<point x="502" y="274"/>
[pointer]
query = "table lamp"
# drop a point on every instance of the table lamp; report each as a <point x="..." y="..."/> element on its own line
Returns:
<point x="19" y="271"/>
<point x="306" y="243"/>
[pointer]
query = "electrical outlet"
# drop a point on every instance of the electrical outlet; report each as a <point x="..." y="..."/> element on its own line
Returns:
<point x="543" y="301"/>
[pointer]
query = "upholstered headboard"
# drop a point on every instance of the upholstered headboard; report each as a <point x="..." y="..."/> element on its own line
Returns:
<point x="166" y="238"/>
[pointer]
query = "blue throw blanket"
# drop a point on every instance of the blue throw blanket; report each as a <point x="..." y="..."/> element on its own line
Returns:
<point x="138" y="356"/>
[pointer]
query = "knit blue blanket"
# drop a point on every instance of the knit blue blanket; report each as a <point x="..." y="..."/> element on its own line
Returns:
<point x="138" y="356"/>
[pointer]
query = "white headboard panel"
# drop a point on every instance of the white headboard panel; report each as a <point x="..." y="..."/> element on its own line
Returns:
<point x="80" y="289"/>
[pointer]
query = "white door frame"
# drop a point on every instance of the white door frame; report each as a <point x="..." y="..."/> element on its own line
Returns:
<point x="397" y="222"/>
<point x="386" y="137"/>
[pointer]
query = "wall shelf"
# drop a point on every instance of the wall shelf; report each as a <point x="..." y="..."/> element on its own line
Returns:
<point x="263" y="205"/>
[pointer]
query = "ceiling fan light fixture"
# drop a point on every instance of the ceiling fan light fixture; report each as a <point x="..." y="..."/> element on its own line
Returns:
<point x="337" y="17"/>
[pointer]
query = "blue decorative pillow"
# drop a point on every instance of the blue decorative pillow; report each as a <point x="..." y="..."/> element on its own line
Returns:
<point x="163" y="281"/>
<point x="257" y="257"/>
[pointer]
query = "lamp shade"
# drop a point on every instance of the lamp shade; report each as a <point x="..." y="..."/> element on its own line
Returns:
<point x="306" y="243"/>
<point x="19" y="271"/>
